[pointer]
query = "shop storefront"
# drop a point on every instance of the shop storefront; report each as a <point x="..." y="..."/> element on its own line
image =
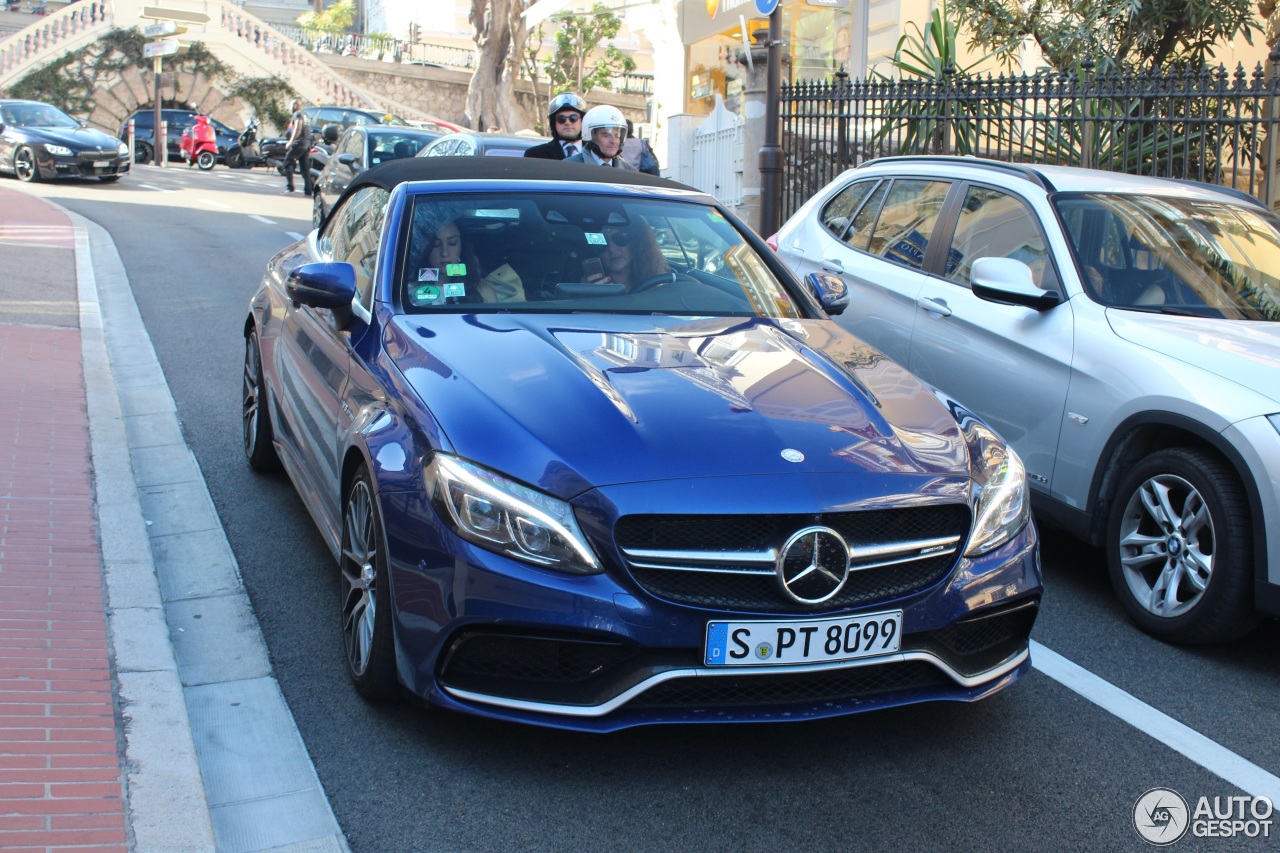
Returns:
<point x="818" y="37"/>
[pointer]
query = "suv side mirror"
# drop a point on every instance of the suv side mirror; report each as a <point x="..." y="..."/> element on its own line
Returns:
<point x="1010" y="281"/>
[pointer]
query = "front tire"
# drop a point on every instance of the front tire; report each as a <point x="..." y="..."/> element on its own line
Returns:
<point x="259" y="437"/>
<point x="142" y="153"/>
<point x="317" y="209"/>
<point x="24" y="165"/>
<point x="366" y="594"/>
<point x="235" y="159"/>
<point x="1180" y="548"/>
<point x="206" y="160"/>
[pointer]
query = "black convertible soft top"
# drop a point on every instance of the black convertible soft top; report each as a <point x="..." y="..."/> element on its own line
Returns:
<point x="388" y="175"/>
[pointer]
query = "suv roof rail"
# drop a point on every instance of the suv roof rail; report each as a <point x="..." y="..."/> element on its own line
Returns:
<point x="1018" y="169"/>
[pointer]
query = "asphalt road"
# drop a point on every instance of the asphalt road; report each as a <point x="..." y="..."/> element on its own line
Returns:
<point x="1039" y="766"/>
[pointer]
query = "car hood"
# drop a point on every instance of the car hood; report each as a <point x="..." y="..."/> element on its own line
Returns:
<point x="572" y="402"/>
<point x="76" y="138"/>
<point x="1244" y="352"/>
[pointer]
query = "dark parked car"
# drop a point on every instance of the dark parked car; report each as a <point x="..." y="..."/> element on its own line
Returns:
<point x="144" y="133"/>
<point x="344" y="117"/>
<point x="40" y="142"/>
<point x="360" y="148"/>
<point x="573" y="477"/>
<point x="471" y="144"/>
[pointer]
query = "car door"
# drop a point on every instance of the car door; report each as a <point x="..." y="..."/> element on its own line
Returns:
<point x="1009" y="364"/>
<point x="880" y="256"/>
<point x="314" y="354"/>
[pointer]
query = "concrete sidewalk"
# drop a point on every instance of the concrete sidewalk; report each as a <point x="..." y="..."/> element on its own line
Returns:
<point x="138" y="710"/>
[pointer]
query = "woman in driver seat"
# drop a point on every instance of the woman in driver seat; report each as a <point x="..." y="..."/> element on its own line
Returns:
<point x="632" y="256"/>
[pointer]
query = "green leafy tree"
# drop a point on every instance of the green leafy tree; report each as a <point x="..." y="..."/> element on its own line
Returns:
<point x="334" y="21"/>
<point x="1134" y="34"/>
<point x="500" y="35"/>
<point x="579" y="63"/>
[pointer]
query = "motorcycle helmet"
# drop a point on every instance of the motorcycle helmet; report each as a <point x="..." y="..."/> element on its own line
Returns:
<point x="560" y="103"/>
<point x="600" y="118"/>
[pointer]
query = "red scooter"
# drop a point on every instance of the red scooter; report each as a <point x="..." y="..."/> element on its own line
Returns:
<point x="199" y="144"/>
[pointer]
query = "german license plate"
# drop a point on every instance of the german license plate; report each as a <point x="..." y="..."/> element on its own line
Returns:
<point x="102" y="164"/>
<point x="803" y="641"/>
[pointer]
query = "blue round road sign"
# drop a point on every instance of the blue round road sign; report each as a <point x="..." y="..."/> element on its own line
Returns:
<point x="766" y="7"/>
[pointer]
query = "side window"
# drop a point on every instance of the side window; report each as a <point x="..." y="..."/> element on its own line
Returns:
<point x="354" y="145"/>
<point x="907" y="220"/>
<point x="464" y="149"/>
<point x="994" y="224"/>
<point x="351" y="234"/>
<point x="841" y="209"/>
<point x="860" y="231"/>
<point x="443" y="149"/>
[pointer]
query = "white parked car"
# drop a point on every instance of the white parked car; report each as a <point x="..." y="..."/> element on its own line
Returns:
<point x="1123" y="333"/>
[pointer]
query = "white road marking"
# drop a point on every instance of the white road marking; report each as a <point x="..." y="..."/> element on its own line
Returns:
<point x="213" y="203"/>
<point x="157" y="189"/>
<point x="262" y="219"/>
<point x="294" y="235"/>
<point x="1212" y="756"/>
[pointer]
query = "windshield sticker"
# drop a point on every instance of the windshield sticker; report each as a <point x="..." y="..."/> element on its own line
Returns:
<point x="715" y="216"/>
<point x="458" y="270"/>
<point x="455" y="290"/>
<point x="429" y="274"/>
<point x="427" y="294"/>
<point x="596" y="239"/>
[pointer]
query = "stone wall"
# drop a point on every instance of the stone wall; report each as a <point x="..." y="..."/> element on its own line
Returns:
<point x="442" y="92"/>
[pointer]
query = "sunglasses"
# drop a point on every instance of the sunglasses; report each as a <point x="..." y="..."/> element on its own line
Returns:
<point x="568" y="119"/>
<point x="621" y="239"/>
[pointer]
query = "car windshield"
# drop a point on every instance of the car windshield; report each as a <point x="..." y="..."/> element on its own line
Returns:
<point x="564" y="252"/>
<point x="36" y="115"/>
<point x="1176" y="255"/>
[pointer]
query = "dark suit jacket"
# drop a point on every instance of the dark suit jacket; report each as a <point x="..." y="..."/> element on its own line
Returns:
<point x="553" y="150"/>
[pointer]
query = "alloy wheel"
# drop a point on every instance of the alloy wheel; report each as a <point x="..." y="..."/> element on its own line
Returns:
<point x="360" y="578"/>
<point x="24" y="165"/>
<point x="1167" y="545"/>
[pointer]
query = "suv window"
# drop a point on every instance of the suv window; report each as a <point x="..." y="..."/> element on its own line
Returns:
<point x="994" y="224"/>
<point x="906" y="221"/>
<point x="841" y="209"/>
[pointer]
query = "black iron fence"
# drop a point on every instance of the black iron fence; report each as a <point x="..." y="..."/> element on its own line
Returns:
<point x="1212" y="126"/>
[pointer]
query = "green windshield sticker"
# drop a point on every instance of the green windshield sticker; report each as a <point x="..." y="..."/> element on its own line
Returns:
<point x="596" y="239"/>
<point x="455" y="269"/>
<point x="425" y="295"/>
<point x="454" y="290"/>
<point x="715" y="216"/>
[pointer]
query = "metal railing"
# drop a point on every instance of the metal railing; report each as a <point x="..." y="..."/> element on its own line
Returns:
<point x="1212" y="126"/>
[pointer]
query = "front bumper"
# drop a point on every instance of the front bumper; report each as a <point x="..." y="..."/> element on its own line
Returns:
<point x="483" y="634"/>
<point x="81" y="166"/>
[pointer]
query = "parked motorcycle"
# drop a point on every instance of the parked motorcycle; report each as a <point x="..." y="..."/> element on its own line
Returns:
<point x="199" y="144"/>
<point x="249" y="151"/>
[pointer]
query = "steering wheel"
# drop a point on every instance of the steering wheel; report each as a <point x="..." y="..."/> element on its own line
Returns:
<point x="653" y="281"/>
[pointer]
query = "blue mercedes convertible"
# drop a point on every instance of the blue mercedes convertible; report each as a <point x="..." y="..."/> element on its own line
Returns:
<point x="588" y="456"/>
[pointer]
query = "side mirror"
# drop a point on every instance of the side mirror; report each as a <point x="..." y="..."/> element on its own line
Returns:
<point x="831" y="291"/>
<point x="347" y="160"/>
<point x="324" y="284"/>
<point x="1010" y="281"/>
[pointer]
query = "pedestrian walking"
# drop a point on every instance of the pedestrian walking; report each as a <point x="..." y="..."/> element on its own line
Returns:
<point x="637" y="152"/>
<point x="564" y="117"/>
<point x="603" y="130"/>
<point x="298" y="138"/>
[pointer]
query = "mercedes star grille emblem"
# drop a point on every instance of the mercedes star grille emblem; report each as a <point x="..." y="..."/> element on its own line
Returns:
<point x="813" y="565"/>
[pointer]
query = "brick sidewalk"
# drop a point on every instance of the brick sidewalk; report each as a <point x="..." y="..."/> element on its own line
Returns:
<point x="61" y="783"/>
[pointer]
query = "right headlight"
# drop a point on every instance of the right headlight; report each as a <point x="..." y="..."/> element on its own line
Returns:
<point x="505" y="517"/>
<point x="999" y="497"/>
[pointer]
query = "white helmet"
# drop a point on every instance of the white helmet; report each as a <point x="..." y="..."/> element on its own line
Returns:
<point x="601" y="117"/>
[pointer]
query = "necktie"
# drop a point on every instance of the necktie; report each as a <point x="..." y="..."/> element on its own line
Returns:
<point x="570" y="149"/>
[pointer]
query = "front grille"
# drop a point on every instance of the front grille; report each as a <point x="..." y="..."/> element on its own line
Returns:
<point x="727" y="562"/>
<point x="780" y="690"/>
<point x="99" y="155"/>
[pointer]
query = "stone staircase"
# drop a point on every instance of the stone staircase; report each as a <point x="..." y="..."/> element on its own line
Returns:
<point x="247" y="44"/>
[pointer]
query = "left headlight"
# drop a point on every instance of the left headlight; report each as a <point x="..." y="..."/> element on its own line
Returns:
<point x="1001" y="504"/>
<point x="122" y="148"/>
<point x="503" y="516"/>
<point x="59" y="150"/>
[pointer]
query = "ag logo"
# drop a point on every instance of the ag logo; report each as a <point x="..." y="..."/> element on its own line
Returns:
<point x="1161" y="816"/>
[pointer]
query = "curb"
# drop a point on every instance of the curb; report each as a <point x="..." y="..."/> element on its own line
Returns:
<point x="213" y="757"/>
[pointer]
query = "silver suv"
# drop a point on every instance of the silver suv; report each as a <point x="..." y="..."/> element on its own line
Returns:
<point x="1123" y="333"/>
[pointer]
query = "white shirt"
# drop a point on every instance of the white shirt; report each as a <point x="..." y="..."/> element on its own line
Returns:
<point x="570" y="148"/>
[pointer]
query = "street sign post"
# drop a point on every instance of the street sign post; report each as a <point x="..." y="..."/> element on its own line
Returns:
<point x="156" y="13"/>
<point x="766" y="7"/>
<point x="164" y="47"/>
